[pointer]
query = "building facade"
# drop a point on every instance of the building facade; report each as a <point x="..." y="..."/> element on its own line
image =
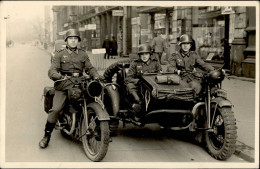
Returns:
<point x="224" y="36"/>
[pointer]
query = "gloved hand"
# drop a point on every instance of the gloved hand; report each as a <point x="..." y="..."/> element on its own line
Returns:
<point x="224" y="72"/>
<point x="178" y="72"/>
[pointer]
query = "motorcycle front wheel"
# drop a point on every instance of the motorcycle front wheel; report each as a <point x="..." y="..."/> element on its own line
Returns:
<point x="95" y="138"/>
<point x="220" y="142"/>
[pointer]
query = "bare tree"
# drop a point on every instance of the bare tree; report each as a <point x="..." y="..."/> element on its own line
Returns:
<point x="38" y="28"/>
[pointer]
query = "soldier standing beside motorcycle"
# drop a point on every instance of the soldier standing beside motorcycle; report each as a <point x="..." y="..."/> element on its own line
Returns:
<point x="187" y="60"/>
<point x="67" y="62"/>
<point x="145" y="64"/>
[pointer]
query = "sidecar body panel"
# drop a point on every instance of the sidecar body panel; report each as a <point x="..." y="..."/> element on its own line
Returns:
<point x="168" y="91"/>
<point x="169" y="117"/>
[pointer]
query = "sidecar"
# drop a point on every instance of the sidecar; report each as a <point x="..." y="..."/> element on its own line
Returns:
<point x="165" y="100"/>
<point x="170" y="103"/>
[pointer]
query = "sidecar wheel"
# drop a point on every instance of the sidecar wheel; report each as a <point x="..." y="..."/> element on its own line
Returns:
<point x="96" y="140"/>
<point x="220" y="143"/>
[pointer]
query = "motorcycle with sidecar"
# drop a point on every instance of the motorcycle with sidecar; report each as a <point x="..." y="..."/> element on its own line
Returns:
<point x="90" y="124"/>
<point x="166" y="102"/>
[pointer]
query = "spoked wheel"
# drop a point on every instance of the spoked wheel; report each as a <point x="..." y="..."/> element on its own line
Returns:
<point x="221" y="140"/>
<point x="95" y="138"/>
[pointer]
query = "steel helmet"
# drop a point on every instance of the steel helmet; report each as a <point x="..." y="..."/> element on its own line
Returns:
<point x="144" y="48"/>
<point x="72" y="32"/>
<point x="185" y="39"/>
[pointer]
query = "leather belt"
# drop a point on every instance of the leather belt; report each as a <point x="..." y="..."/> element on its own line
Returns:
<point x="72" y="74"/>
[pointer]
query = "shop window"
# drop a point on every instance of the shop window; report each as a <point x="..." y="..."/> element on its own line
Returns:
<point x="210" y="38"/>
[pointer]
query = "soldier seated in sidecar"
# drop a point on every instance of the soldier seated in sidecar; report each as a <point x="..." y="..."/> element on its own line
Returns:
<point x="145" y="64"/>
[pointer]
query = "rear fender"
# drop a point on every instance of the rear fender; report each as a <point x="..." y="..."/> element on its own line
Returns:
<point x="222" y="102"/>
<point x="101" y="113"/>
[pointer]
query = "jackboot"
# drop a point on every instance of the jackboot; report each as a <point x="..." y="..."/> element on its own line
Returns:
<point x="47" y="136"/>
<point x="135" y="96"/>
<point x="137" y="106"/>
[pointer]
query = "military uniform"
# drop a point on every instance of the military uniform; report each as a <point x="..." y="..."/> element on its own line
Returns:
<point x="189" y="61"/>
<point x="67" y="62"/>
<point x="137" y="67"/>
<point x="158" y="44"/>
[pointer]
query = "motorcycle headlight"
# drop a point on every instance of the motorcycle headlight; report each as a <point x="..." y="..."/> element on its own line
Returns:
<point x="216" y="76"/>
<point x="94" y="89"/>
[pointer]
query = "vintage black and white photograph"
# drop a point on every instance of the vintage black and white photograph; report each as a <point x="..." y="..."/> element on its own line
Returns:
<point x="139" y="84"/>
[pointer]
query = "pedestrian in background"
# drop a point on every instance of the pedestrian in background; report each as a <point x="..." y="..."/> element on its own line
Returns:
<point x="158" y="45"/>
<point x="107" y="44"/>
<point x="114" y="47"/>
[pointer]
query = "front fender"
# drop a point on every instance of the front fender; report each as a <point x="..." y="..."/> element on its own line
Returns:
<point x="114" y="99"/>
<point x="222" y="102"/>
<point x="101" y="113"/>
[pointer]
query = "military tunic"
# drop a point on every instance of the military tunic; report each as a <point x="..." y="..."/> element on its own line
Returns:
<point x="137" y="67"/>
<point x="189" y="61"/>
<point x="179" y="61"/>
<point x="67" y="62"/>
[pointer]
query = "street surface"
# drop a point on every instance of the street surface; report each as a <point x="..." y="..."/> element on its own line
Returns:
<point x="26" y="76"/>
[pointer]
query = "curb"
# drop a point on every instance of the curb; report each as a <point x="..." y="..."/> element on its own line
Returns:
<point x="241" y="78"/>
<point x="244" y="151"/>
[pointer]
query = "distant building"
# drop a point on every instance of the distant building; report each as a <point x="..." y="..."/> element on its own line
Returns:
<point x="223" y="35"/>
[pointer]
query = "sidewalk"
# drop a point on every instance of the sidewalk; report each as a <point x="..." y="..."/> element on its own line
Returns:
<point x="243" y="150"/>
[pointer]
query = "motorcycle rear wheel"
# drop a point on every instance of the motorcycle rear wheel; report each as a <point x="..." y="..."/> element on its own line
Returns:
<point x="95" y="143"/>
<point x="221" y="142"/>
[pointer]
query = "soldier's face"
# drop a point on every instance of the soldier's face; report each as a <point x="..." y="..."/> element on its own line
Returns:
<point x="145" y="57"/>
<point x="185" y="47"/>
<point x="72" y="41"/>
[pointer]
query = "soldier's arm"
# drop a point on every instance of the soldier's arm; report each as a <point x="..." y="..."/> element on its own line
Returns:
<point x="54" y="71"/>
<point x="202" y="65"/>
<point x="131" y="74"/>
<point x="159" y="67"/>
<point x="90" y="68"/>
<point x="172" y="63"/>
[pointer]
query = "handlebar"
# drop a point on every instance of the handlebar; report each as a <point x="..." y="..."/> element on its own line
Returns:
<point x="66" y="77"/>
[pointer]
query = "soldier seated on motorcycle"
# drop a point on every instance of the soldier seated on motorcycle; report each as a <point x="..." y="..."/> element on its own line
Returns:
<point x="145" y="64"/>
<point x="67" y="62"/>
<point x="188" y="60"/>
